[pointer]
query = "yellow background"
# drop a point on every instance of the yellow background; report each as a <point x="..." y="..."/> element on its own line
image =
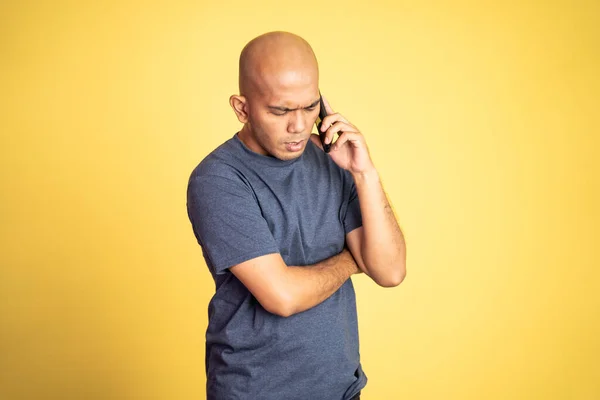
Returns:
<point x="483" y="122"/>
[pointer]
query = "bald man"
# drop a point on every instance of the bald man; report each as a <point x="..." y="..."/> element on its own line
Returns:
<point x="283" y="226"/>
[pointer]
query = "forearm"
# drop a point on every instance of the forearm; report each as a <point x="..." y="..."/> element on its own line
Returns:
<point x="308" y="286"/>
<point x="383" y="250"/>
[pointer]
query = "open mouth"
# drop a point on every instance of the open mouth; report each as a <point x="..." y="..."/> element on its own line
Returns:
<point x="294" y="146"/>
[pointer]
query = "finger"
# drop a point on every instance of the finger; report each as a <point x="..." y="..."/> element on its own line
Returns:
<point x="339" y="128"/>
<point x="333" y="119"/>
<point x="353" y="138"/>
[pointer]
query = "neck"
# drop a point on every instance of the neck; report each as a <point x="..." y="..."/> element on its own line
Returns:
<point x="245" y="135"/>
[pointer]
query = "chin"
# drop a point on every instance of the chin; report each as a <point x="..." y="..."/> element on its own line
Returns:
<point x="286" y="156"/>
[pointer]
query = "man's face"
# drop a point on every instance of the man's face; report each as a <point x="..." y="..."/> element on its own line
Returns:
<point x="281" y="116"/>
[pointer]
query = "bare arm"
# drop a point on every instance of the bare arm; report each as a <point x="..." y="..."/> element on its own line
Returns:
<point x="284" y="290"/>
<point x="378" y="246"/>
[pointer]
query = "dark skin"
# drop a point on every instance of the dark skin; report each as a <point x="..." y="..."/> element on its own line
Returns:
<point x="279" y="95"/>
<point x="278" y="105"/>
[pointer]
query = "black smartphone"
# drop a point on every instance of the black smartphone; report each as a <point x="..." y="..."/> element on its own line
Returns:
<point x="319" y="121"/>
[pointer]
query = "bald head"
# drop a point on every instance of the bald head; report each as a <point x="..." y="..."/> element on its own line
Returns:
<point x="275" y="59"/>
<point x="278" y="101"/>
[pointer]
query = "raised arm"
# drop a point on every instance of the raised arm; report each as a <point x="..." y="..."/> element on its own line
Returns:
<point x="378" y="246"/>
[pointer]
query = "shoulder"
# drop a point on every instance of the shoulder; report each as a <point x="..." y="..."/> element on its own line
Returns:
<point x="222" y="164"/>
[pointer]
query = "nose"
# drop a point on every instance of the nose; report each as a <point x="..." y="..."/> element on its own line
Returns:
<point x="297" y="121"/>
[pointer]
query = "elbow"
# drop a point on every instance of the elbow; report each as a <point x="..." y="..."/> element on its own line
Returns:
<point x="285" y="312"/>
<point x="393" y="278"/>
<point x="281" y="305"/>
<point x="281" y="310"/>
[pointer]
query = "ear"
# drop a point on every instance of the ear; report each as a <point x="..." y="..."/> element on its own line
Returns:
<point x="240" y="107"/>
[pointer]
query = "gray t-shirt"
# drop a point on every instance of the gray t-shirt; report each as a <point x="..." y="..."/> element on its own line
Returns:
<point x="243" y="205"/>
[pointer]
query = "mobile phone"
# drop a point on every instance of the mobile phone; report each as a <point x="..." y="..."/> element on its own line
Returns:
<point x="319" y="122"/>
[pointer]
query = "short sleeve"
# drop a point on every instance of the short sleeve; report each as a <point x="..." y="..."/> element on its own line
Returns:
<point x="353" y="217"/>
<point x="227" y="222"/>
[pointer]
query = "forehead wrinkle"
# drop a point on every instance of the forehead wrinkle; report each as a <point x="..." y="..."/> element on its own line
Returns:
<point x="311" y="105"/>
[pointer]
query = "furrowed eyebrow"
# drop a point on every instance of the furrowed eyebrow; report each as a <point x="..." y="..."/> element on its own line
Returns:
<point x="314" y="103"/>
<point x="285" y="109"/>
<point x="280" y="108"/>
